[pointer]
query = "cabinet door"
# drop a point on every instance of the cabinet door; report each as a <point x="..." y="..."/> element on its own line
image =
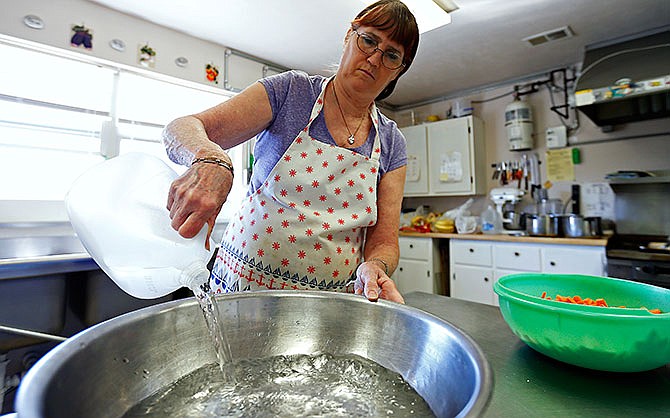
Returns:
<point x="450" y="156"/>
<point x="574" y="260"/>
<point x="413" y="276"/>
<point x="472" y="283"/>
<point x="416" y="177"/>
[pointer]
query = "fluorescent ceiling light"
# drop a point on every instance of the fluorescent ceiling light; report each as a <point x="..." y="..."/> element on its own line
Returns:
<point x="429" y="14"/>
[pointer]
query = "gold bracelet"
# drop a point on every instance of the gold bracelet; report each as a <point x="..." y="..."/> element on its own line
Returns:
<point x="386" y="266"/>
<point x="217" y="161"/>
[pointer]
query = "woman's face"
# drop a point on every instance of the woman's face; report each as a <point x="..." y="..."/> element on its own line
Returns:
<point x="365" y="72"/>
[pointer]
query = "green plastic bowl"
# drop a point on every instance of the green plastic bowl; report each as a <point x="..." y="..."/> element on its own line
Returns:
<point x="616" y="292"/>
<point x="608" y="339"/>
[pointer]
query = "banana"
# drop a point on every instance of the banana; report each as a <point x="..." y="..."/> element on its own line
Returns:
<point x="444" y="226"/>
<point x="444" y="229"/>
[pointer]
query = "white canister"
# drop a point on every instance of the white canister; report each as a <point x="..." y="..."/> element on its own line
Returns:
<point x="462" y="107"/>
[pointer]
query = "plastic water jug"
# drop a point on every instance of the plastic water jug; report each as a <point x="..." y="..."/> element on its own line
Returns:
<point x="118" y="210"/>
<point x="491" y="221"/>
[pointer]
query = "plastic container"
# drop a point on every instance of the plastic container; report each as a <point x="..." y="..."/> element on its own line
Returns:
<point x="491" y="221"/>
<point x="118" y="210"/>
<point x="462" y="107"/>
<point x="610" y="339"/>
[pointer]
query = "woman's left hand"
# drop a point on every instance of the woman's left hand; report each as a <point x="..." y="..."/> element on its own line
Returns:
<point x="372" y="281"/>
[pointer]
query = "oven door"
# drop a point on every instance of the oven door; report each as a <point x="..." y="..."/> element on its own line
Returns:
<point x="656" y="273"/>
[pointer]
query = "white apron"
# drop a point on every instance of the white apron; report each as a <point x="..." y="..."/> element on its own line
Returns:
<point x="304" y="227"/>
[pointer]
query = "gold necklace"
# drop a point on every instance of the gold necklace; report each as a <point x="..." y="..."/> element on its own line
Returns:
<point x="352" y="137"/>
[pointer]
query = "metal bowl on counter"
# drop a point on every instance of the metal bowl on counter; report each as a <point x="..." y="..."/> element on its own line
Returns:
<point x="107" y="369"/>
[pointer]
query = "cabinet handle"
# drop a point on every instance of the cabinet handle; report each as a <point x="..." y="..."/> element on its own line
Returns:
<point x="552" y="263"/>
<point x="400" y="268"/>
<point x="411" y="245"/>
<point x="516" y="253"/>
<point x="472" y="250"/>
<point x="486" y="279"/>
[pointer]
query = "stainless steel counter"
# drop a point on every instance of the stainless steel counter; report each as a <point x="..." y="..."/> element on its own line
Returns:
<point x="529" y="384"/>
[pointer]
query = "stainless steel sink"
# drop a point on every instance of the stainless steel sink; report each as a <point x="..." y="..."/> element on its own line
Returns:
<point x="45" y="269"/>
<point x="33" y="284"/>
<point x="38" y="255"/>
<point x="39" y="246"/>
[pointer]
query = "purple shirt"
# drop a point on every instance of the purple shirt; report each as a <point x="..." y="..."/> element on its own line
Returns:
<point x="292" y="95"/>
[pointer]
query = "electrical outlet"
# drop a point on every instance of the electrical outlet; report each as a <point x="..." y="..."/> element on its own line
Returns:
<point x="557" y="137"/>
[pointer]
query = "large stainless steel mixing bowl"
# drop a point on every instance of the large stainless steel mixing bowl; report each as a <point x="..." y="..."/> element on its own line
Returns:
<point x="105" y="370"/>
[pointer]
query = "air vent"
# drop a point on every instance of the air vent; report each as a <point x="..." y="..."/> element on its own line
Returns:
<point x="550" y="35"/>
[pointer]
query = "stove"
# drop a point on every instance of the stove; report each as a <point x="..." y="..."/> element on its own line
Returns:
<point x="640" y="258"/>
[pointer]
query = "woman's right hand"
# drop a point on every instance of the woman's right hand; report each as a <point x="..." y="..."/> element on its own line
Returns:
<point x="197" y="196"/>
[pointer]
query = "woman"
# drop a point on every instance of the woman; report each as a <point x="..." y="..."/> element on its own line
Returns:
<point x="328" y="175"/>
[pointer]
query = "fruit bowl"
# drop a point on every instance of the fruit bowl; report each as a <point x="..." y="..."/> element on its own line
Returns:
<point x="599" y="338"/>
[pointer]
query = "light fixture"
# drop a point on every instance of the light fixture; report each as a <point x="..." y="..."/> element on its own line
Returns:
<point x="181" y="62"/>
<point x="429" y="14"/>
<point x="117" y="45"/>
<point x="33" y="22"/>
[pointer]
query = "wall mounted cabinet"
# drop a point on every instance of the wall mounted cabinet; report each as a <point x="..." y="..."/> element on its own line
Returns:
<point x="446" y="158"/>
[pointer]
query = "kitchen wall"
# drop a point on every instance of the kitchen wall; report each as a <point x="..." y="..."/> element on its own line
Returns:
<point x="635" y="146"/>
<point x="106" y="24"/>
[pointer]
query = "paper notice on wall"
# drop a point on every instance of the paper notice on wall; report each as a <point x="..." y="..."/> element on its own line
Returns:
<point x="559" y="165"/>
<point x="413" y="168"/>
<point x="597" y="200"/>
<point x="451" y="167"/>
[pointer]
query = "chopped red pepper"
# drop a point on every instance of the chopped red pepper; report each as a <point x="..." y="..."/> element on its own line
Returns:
<point x="588" y="301"/>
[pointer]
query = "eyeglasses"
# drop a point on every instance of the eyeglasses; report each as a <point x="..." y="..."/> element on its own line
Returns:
<point x="391" y="58"/>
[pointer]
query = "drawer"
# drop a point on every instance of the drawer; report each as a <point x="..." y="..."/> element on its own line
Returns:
<point x="415" y="248"/>
<point x="518" y="257"/>
<point x="574" y="260"/>
<point x="470" y="252"/>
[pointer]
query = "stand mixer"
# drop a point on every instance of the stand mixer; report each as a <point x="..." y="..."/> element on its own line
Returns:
<point x="502" y="196"/>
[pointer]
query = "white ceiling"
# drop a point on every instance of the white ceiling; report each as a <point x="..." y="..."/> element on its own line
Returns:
<point x="481" y="47"/>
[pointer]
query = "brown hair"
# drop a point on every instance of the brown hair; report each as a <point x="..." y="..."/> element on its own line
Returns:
<point x="395" y="17"/>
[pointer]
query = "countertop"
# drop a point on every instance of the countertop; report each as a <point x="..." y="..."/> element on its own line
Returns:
<point x="595" y="242"/>
<point x="529" y="384"/>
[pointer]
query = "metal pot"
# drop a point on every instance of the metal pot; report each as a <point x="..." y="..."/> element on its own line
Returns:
<point x="542" y="225"/>
<point x="514" y="221"/>
<point x="105" y="370"/>
<point x="593" y="226"/>
<point x="572" y="225"/>
<point x="583" y="227"/>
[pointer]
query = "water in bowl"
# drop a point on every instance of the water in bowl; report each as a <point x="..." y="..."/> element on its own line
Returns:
<point x="319" y="385"/>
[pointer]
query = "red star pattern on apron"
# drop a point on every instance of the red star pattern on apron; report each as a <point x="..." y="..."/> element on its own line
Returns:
<point x="304" y="227"/>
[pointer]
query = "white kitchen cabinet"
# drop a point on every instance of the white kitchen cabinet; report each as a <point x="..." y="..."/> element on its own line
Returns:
<point x="419" y="267"/>
<point x="476" y="265"/>
<point x="416" y="177"/>
<point x="446" y="158"/>
<point x="472" y="283"/>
